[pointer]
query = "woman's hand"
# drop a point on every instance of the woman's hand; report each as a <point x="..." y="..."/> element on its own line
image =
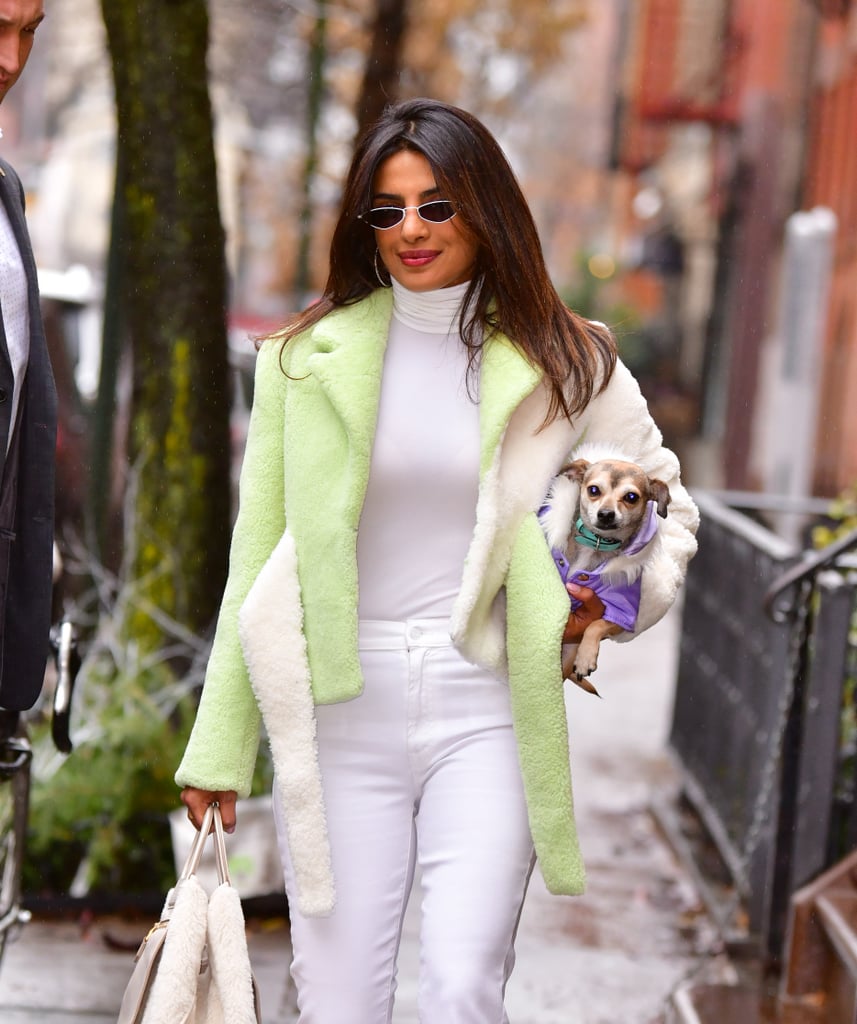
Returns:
<point x="589" y="609"/>
<point x="197" y="802"/>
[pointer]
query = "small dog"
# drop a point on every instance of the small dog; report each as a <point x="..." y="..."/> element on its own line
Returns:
<point x="600" y="519"/>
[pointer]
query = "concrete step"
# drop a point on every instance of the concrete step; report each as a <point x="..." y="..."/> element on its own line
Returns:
<point x="819" y="983"/>
<point x="713" y="1003"/>
<point x="838" y="912"/>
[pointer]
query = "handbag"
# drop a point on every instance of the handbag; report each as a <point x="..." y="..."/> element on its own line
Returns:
<point x="193" y="967"/>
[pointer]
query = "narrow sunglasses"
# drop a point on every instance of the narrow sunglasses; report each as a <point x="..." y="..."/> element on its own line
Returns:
<point x="438" y="211"/>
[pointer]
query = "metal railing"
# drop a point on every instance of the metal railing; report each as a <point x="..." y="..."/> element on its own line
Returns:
<point x="760" y="726"/>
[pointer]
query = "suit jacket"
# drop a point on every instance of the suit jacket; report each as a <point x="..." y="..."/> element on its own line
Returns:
<point x="26" y="491"/>
<point x="286" y="638"/>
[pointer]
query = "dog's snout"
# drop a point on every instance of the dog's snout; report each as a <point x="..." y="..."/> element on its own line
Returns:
<point x="606" y="516"/>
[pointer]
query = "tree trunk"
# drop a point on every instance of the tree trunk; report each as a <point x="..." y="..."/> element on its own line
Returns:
<point x="315" y="98"/>
<point x="384" y="62"/>
<point x="105" y="516"/>
<point x="174" y="297"/>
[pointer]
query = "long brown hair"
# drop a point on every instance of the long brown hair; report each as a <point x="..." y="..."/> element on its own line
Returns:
<point x="510" y="290"/>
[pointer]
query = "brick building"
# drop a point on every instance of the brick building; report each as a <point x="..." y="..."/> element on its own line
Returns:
<point x="770" y="87"/>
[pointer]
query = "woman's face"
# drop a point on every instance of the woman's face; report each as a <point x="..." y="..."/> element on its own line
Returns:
<point x="420" y="255"/>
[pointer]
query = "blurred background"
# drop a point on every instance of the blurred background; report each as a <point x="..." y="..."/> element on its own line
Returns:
<point x="673" y="151"/>
<point x="691" y="166"/>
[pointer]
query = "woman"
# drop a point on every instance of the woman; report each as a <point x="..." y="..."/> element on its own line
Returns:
<point x="404" y="433"/>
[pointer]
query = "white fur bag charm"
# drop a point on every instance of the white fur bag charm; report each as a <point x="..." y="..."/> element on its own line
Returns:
<point x="193" y="967"/>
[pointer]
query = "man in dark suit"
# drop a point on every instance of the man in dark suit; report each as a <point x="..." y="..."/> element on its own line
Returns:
<point x="27" y="419"/>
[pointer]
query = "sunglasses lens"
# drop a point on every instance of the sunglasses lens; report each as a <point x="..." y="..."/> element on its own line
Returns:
<point x="437" y="212"/>
<point x="385" y="217"/>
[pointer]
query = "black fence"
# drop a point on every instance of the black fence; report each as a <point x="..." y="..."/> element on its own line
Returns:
<point x="764" y="725"/>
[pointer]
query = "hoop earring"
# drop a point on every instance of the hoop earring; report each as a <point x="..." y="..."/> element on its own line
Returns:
<point x="384" y="284"/>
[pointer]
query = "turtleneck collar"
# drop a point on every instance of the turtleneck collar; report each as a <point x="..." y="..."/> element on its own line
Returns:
<point x="434" y="312"/>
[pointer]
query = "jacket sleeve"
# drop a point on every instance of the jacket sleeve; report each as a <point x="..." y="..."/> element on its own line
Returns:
<point x="619" y="417"/>
<point x="221" y="751"/>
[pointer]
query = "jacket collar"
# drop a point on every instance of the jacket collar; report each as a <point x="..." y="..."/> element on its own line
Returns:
<point x="10" y="196"/>
<point x="350" y="360"/>
<point x="507" y="378"/>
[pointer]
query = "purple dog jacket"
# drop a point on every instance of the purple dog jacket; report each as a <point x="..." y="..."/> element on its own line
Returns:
<point x="620" y="598"/>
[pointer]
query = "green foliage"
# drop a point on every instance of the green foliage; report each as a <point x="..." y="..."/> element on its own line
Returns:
<point x="843" y="519"/>
<point x="110" y="798"/>
<point x="592" y="297"/>
<point x="101" y="814"/>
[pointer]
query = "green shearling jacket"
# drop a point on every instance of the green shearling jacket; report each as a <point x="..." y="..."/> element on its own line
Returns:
<point x="286" y="637"/>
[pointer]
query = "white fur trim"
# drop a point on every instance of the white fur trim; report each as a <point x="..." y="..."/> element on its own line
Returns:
<point x="270" y="625"/>
<point x="595" y="451"/>
<point x="562" y="500"/>
<point x="174" y="990"/>
<point x="515" y="484"/>
<point x="229" y="960"/>
<point x="664" y="573"/>
<point x="476" y="615"/>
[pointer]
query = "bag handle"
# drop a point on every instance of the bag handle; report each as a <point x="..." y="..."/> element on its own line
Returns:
<point x="220" y="848"/>
<point x="191" y="865"/>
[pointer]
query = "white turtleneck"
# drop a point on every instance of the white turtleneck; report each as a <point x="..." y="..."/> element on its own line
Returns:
<point x="420" y="507"/>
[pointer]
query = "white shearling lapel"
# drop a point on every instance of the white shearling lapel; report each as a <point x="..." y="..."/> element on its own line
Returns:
<point x="270" y="626"/>
<point x="518" y="462"/>
<point x="562" y="501"/>
<point x="348" y="365"/>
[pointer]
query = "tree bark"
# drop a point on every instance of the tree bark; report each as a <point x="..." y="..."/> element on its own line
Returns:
<point x="315" y="98"/>
<point x="384" y="62"/>
<point x="174" y="297"/>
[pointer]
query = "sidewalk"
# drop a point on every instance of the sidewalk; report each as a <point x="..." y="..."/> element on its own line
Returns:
<point x="613" y="956"/>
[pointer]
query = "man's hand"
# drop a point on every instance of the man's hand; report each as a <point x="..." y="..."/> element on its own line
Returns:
<point x="589" y="609"/>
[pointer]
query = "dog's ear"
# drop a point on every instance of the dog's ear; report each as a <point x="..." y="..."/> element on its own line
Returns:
<point x="575" y="470"/>
<point x="661" y="494"/>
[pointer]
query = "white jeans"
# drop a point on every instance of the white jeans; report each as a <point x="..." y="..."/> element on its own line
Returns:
<point x="420" y="769"/>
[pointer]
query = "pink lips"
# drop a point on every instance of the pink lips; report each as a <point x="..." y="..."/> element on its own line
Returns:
<point x="418" y="257"/>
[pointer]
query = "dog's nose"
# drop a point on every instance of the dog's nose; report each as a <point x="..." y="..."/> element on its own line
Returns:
<point x="606" y="516"/>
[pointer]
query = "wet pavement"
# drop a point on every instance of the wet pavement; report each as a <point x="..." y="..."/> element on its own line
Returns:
<point x="616" y="955"/>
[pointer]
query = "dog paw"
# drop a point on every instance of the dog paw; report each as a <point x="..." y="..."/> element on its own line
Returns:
<point x="585" y="662"/>
<point x="570" y="671"/>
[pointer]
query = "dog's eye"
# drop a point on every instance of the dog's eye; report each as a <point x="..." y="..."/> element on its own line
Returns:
<point x="631" y="498"/>
<point x="593" y="491"/>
